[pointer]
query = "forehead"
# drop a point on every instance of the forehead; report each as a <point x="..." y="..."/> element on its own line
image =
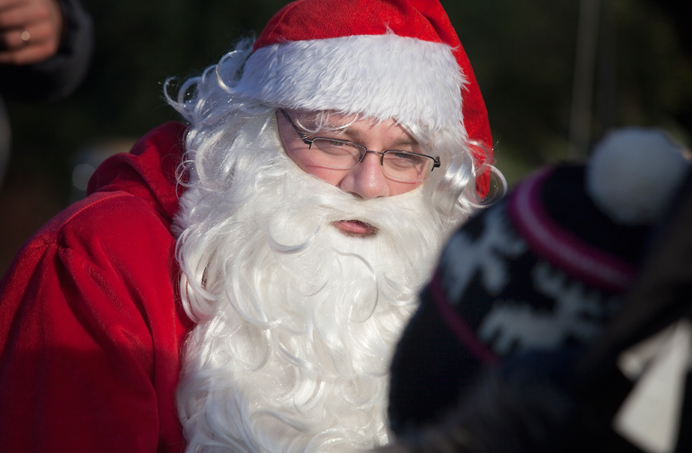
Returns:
<point x="332" y="119"/>
<point x="351" y="126"/>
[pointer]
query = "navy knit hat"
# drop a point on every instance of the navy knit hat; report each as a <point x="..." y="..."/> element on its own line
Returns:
<point x="541" y="270"/>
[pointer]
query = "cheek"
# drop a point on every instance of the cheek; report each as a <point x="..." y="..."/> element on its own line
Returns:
<point x="398" y="188"/>
<point x="327" y="175"/>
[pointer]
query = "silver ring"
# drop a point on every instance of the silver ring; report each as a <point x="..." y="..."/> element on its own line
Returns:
<point x="26" y="36"/>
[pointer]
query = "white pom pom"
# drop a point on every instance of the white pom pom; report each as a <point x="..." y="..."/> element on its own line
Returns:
<point x="634" y="173"/>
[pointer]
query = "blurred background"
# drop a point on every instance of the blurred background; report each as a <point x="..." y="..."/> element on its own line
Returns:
<point x="555" y="77"/>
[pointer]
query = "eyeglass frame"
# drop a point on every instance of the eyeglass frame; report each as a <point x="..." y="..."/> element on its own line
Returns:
<point x="307" y="141"/>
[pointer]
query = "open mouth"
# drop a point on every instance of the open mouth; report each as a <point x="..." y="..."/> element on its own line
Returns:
<point x="355" y="228"/>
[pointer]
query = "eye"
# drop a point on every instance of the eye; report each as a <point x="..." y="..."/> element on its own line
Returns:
<point x="336" y="146"/>
<point x="328" y="142"/>
<point x="402" y="159"/>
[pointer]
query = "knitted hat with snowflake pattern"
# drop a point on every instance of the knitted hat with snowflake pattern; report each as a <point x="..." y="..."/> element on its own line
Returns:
<point x="543" y="269"/>
<point x="398" y="59"/>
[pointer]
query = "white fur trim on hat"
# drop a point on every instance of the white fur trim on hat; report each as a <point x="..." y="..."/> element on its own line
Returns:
<point x="634" y="173"/>
<point x="382" y="76"/>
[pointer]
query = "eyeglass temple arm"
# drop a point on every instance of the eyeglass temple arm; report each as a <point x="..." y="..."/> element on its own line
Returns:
<point x="302" y="136"/>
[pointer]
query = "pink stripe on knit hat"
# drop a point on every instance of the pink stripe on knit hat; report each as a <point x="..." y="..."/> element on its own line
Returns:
<point x="560" y="247"/>
<point x="462" y="331"/>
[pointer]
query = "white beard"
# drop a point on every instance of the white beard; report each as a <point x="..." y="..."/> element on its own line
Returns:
<point x="298" y="322"/>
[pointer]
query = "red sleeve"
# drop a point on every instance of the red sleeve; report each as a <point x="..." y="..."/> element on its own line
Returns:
<point x="90" y="334"/>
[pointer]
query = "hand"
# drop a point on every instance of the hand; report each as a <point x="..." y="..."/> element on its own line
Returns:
<point x="30" y="30"/>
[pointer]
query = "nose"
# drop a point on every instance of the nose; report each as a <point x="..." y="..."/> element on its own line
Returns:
<point x="366" y="179"/>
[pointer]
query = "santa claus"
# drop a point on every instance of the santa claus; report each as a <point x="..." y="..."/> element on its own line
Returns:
<point x="322" y="168"/>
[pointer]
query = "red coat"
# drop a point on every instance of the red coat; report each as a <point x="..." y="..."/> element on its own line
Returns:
<point x="91" y="327"/>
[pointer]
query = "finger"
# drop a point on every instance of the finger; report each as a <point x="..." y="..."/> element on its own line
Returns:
<point x="37" y="34"/>
<point x="9" y="4"/>
<point x="23" y="15"/>
<point x="27" y="55"/>
<point x="14" y="39"/>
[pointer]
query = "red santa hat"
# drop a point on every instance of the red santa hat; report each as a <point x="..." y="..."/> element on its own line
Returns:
<point x="384" y="59"/>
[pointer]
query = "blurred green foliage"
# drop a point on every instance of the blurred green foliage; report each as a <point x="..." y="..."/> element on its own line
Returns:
<point x="522" y="51"/>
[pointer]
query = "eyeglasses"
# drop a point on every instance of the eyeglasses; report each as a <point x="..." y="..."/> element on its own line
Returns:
<point x="338" y="154"/>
